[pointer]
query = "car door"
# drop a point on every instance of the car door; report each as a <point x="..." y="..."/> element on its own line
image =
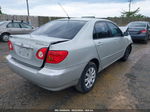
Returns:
<point x="14" y="28"/>
<point x="117" y="34"/>
<point x="26" y="28"/>
<point x="107" y="45"/>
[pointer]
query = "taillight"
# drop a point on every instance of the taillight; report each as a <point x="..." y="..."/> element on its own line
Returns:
<point x="143" y="31"/>
<point x="55" y="57"/>
<point x="10" y="45"/>
<point x="41" y="53"/>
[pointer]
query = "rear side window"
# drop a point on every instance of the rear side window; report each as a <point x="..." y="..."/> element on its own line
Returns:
<point x="10" y="25"/>
<point x="101" y="30"/>
<point x="66" y="29"/>
<point x="116" y="32"/>
<point x="13" y="25"/>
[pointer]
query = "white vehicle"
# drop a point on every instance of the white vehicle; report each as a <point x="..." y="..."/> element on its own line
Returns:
<point x="8" y="28"/>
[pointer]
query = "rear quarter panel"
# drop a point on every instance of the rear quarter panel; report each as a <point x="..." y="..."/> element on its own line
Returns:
<point x="81" y="49"/>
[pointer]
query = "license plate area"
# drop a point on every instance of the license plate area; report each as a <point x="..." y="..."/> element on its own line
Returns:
<point x="23" y="52"/>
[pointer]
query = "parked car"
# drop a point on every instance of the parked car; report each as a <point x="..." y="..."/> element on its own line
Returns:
<point x="68" y="52"/>
<point x="8" y="28"/>
<point x="139" y="30"/>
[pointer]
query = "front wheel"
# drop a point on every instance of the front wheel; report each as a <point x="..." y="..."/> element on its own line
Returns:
<point x="88" y="78"/>
<point x="5" y="37"/>
<point x="127" y="53"/>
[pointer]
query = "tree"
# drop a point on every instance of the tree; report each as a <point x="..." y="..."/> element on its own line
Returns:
<point x="134" y="13"/>
<point x="0" y="10"/>
<point x="130" y="13"/>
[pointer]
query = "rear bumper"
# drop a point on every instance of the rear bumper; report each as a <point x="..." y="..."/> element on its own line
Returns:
<point x="139" y="37"/>
<point x="47" y="78"/>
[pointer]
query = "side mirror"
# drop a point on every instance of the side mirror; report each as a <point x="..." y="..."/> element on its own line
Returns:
<point x="126" y="33"/>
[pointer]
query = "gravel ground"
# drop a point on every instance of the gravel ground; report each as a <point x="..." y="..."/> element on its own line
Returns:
<point x="123" y="85"/>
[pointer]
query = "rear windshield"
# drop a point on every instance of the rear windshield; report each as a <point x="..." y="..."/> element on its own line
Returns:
<point x="137" y="25"/>
<point x="66" y="29"/>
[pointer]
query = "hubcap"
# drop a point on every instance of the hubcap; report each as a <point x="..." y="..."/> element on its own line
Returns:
<point x="5" y="37"/>
<point x="90" y="77"/>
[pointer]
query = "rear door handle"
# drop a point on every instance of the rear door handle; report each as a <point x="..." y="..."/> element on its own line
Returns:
<point x="99" y="43"/>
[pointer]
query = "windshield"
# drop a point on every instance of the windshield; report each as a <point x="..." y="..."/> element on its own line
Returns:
<point x="137" y="25"/>
<point x="66" y="29"/>
<point x="1" y="23"/>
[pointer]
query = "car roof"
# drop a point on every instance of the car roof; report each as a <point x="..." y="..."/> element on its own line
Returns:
<point x="86" y="19"/>
<point x="13" y="21"/>
<point x="5" y="21"/>
<point x="139" y="22"/>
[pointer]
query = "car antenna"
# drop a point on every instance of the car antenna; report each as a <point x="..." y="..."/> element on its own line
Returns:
<point x="64" y="10"/>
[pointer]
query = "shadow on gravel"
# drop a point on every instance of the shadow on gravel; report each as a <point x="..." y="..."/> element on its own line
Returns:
<point x="139" y="80"/>
<point x="139" y="42"/>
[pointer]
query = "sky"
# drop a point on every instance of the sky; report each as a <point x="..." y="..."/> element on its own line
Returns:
<point x="75" y="8"/>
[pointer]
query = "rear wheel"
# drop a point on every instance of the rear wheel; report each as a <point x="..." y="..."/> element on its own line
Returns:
<point x="88" y="78"/>
<point x="146" y="39"/>
<point x="5" y="37"/>
<point x="127" y="53"/>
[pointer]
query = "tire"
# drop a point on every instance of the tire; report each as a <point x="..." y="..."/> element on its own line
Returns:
<point x="88" y="78"/>
<point x="5" y="37"/>
<point x="127" y="53"/>
<point x="146" y="39"/>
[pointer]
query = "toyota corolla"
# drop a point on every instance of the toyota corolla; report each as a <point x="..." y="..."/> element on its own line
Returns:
<point x="68" y="52"/>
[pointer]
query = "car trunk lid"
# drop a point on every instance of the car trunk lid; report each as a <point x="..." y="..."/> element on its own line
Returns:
<point x="26" y="47"/>
<point x="136" y="30"/>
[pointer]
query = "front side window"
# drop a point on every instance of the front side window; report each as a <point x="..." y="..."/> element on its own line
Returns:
<point x="101" y="30"/>
<point x="66" y="29"/>
<point x="116" y="32"/>
<point x="10" y="25"/>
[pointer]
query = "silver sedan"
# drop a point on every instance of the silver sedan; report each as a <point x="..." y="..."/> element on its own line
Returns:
<point x="68" y="52"/>
<point x="8" y="28"/>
